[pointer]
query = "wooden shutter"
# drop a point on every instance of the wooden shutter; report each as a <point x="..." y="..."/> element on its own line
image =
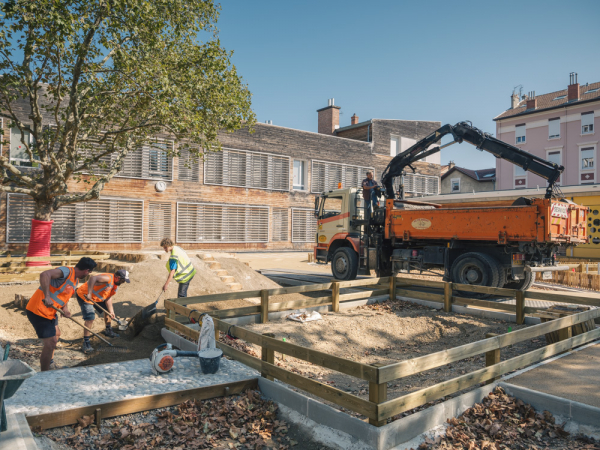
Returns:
<point x="189" y="168"/>
<point x="20" y="213"/>
<point x="132" y="164"/>
<point x="420" y="184"/>
<point x="159" y="221"/>
<point x="205" y="222"/>
<point x="326" y="176"/>
<point x="304" y="225"/>
<point x="246" y="169"/>
<point x="280" y="223"/>
<point x="110" y="220"/>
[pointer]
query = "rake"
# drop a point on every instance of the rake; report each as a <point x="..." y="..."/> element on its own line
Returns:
<point x="111" y="348"/>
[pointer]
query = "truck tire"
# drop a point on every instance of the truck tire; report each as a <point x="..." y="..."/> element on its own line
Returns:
<point x="477" y="269"/>
<point x="522" y="285"/>
<point x="344" y="264"/>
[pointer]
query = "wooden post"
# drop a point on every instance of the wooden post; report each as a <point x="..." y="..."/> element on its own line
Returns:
<point x="447" y="297"/>
<point x="267" y="355"/>
<point x="492" y="357"/>
<point x="98" y="417"/>
<point x="587" y="267"/>
<point x="335" y="296"/>
<point x="520" y="307"/>
<point x="565" y="333"/>
<point x="392" y="287"/>
<point x="377" y="394"/>
<point x="264" y="306"/>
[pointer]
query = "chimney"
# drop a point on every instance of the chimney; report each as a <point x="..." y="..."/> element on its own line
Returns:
<point x="451" y="164"/>
<point x="354" y="119"/>
<point x="329" y="118"/>
<point x="531" y="101"/>
<point x="514" y="100"/>
<point x="573" y="90"/>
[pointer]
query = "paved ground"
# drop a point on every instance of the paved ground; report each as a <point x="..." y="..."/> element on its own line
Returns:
<point x="58" y="390"/>
<point x="575" y="377"/>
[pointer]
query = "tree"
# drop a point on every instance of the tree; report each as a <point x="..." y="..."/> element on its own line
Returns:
<point x="99" y="78"/>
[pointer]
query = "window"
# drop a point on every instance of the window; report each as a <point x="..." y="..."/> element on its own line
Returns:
<point x="455" y="184"/>
<point x="394" y="145"/>
<point x="189" y="167"/>
<point x="554" y="128"/>
<point x="520" y="134"/>
<point x="18" y="149"/>
<point x="280" y="221"/>
<point x="299" y="175"/>
<point x="587" y="158"/>
<point x="587" y="123"/>
<point x="519" y="171"/>
<point x="242" y="168"/>
<point x="207" y="222"/>
<point x="592" y="90"/>
<point x="326" y="176"/>
<point x="304" y="225"/>
<point x="159" y="220"/>
<point x="332" y="206"/>
<point x="560" y="97"/>
<point x="159" y="163"/>
<point x="103" y="220"/>
<point x="555" y="157"/>
<point x="519" y="178"/>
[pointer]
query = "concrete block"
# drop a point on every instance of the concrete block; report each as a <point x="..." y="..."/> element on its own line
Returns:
<point x="540" y="400"/>
<point x="585" y="414"/>
<point x="18" y="435"/>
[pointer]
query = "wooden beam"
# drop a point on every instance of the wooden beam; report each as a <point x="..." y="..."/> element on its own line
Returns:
<point x="268" y="355"/>
<point x="377" y="395"/>
<point x="135" y="405"/>
<point x="520" y="307"/>
<point x="335" y="297"/>
<point x="416" y="365"/>
<point x="363" y="294"/>
<point x="362" y="282"/>
<point x="405" y="281"/>
<point x="51" y="258"/>
<point x="295" y="304"/>
<point x="485" y="290"/>
<point x="448" y="297"/>
<point x="236" y="295"/>
<point x="421" y="295"/>
<point x="264" y="306"/>
<point x="301" y="288"/>
<point x="492" y="357"/>
<point x="561" y="298"/>
<point x="423" y="396"/>
<point x="392" y="288"/>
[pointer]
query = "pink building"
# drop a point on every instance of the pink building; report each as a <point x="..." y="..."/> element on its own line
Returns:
<point x="561" y="126"/>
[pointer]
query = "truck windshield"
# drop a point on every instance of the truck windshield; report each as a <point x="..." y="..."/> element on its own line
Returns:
<point x="332" y="206"/>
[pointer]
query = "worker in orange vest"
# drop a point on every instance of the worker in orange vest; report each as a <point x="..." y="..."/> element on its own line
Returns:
<point x="57" y="286"/>
<point x="99" y="290"/>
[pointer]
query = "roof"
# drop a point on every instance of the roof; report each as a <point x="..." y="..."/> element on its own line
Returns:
<point x="551" y="101"/>
<point x="477" y="175"/>
<point x="356" y="125"/>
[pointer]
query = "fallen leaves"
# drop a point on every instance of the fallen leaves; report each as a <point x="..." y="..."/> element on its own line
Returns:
<point x="502" y="422"/>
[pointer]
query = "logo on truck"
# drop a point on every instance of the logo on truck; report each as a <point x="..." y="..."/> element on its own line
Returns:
<point x="421" y="224"/>
<point x="559" y="210"/>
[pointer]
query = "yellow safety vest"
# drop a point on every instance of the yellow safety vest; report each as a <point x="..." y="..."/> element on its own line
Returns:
<point x="185" y="269"/>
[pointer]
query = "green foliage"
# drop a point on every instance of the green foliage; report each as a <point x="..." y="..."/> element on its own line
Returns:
<point x="101" y="77"/>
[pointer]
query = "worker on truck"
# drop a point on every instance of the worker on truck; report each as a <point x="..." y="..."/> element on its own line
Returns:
<point x="99" y="290"/>
<point x="180" y="267"/>
<point x="56" y="289"/>
<point x="369" y="193"/>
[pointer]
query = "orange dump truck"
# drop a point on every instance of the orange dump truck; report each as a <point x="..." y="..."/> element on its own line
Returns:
<point x="496" y="244"/>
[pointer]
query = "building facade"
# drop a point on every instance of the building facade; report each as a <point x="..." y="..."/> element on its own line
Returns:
<point x="560" y="127"/>
<point x="457" y="180"/>
<point x="258" y="193"/>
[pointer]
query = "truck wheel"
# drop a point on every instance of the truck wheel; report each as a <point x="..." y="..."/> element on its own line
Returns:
<point x="522" y="285"/>
<point x="344" y="264"/>
<point x="477" y="269"/>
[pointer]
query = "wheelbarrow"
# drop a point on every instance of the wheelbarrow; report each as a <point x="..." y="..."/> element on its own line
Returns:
<point x="12" y="375"/>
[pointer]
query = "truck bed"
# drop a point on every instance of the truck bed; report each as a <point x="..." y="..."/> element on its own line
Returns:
<point x="544" y="220"/>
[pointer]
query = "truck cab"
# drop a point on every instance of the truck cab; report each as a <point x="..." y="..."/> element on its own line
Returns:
<point x="340" y="225"/>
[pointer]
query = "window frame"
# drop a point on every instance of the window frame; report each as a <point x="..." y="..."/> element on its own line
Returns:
<point x="554" y="136"/>
<point x="524" y="128"/>
<point x="582" y="171"/>
<point x="304" y="187"/>
<point x="343" y="168"/>
<point x="452" y="180"/>
<point x="590" y="126"/>
<point x="309" y="213"/>
<point x="558" y="150"/>
<point x="398" y="143"/>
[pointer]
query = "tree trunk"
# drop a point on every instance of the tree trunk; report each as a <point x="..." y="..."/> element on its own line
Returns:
<point x="41" y="233"/>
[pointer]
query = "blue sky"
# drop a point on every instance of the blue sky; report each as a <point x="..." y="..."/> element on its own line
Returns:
<point x="446" y="61"/>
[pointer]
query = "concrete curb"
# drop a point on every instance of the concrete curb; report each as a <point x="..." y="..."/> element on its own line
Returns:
<point x="579" y="417"/>
<point x="18" y="435"/>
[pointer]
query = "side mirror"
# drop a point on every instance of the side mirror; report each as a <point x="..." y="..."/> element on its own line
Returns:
<point x="317" y="204"/>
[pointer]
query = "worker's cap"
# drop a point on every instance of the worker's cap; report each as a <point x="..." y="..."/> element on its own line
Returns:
<point x="124" y="274"/>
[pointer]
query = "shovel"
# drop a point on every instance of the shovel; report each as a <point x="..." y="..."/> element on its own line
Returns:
<point x="146" y="311"/>
<point x="82" y="326"/>
<point x="122" y="322"/>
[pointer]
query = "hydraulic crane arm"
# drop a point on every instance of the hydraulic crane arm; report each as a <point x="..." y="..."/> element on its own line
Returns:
<point x="465" y="131"/>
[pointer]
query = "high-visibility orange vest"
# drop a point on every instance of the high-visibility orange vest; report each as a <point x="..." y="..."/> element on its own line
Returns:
<point x="101" y="291"/>
<point x="60" y="297"/>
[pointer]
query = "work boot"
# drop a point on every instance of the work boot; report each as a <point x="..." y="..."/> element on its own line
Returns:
<point x="110" y="333"/>
<point x="54" y="366"/>
<point x="86" y="348"/>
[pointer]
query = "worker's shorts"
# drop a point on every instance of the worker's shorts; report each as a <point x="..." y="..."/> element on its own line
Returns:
<point x="45" y="328"/>
<point x="88" y="311"/>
